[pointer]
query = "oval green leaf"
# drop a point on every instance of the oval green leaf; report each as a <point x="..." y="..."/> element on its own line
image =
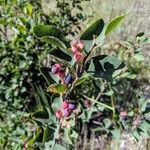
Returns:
<point x="94" y="30"/>
<point x="113" y="24"/>
<point x="57" y="88"/>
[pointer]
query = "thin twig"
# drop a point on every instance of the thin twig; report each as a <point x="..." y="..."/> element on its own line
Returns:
<point x="112" y="101"/>
<point x="102" y="104"/>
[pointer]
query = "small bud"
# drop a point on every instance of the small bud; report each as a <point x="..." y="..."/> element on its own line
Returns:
<point x="65" y="104"/>
<point x="71" y="106"/>
<point x="68" y="79"/>
<point x="58" y="114"/>
<point x="66" y="113"/>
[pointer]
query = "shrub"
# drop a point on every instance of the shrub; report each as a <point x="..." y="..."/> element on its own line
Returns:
<point x="87" y="88"/>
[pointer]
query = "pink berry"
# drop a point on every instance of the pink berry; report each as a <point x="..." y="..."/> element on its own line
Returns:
<point x="66" y="113"/>
<point x="123" y="114"/>
<point x="58" y="114"/>
<point x="74" y="49"/>
<point x="77" y="46"/>
<point x="80" y="45"/>
<point x="65" y="104"/>
<point x="78" y="56"/>
<point x="56" y="68"/>
<point x="71" y="106"/>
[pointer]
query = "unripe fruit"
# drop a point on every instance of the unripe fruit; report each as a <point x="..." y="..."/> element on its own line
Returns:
<point x="61" y="74"/>
<point x="65" y="104"/>
<point x="56" y="68"/>
<point x="74" y="49"/>
<point x="80" y="45"/>
<point x="68" y="79"/>
<point x="66" y="113"/>
<point x="58" y="114"/>
<point x="78" y="56"/>
<point x="77" y="46"/>
<point x="71" y="106"/>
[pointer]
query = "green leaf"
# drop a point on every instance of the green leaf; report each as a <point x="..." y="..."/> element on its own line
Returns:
<point x="107" y="123"/>
<point x="74" y="134"/>
<point x="38" y="135"/>
<point x="142" y="104"/>
<point x="28" y="9"/>
<point x="57" y="88"/>
<point x="56" y="104"/>
<point x="48" y="134"/>
<point x="103" y="66"/>
<point x="67" y="136"/>
<point x="113" y="24"/>
<point x="139" y="57"/>
<point x="62" y="55"/>
<point x="82" y="79"/>
<point x="36" y="138"/>
<point x="116" y="133"/>
<point x="94" y="30"/>
<point x="46" y="30"/>
<point x="40" y="114"/>
<point x="54" y="41"/>
<point x="93" y="34"/>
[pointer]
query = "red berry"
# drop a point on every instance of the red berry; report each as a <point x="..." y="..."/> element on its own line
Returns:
<point x="65" y="104"/>
<point x="58" y="114"/>
<point x="61" y="74"/>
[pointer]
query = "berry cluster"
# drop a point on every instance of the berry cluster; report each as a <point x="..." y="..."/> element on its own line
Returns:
<point x="66" y="110"/>
<point x="77" y="49"/>
<point x="57" y="70"/>
<point x="64" y="113"/>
